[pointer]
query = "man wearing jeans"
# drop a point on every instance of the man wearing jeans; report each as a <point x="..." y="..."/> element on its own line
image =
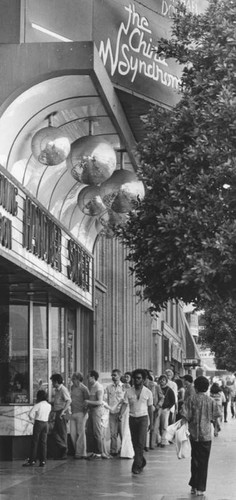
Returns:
<point x="140" y="401"/>
<point x="61" y="405"/>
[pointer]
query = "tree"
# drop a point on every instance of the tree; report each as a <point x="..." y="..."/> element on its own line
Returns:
<point x="219" y="333"/>
<point x="182" y="236"/>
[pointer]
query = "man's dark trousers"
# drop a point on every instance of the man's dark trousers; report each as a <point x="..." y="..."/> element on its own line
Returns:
<point x="60" y="435"/>
<point x="138" y="430"/>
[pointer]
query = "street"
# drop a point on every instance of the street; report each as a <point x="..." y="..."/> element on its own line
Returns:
<point x="164" y="478"/>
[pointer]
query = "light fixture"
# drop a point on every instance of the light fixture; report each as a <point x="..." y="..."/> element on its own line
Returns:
<point x="92" y="159"/>
<point x="122" y="189"/>
<point x="49" y="145"/>
<point x="50" y="33"/>
<point x="90" y="201"/>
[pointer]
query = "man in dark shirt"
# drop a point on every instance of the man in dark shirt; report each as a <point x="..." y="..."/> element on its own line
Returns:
<point x="169" y="401"/>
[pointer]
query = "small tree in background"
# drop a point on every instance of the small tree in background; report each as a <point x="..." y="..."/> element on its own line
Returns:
<point x="219" y="333"/>
<point x="182" y="236"/>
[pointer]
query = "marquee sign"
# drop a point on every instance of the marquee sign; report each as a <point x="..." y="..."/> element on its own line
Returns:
<point x="8" y="193"/>
<point x="32" y="238"/>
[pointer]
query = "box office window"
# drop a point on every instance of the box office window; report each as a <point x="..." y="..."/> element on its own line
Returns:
<point x="14" y="354"/>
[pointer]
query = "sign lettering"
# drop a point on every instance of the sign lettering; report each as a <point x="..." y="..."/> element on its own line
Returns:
<point x="41" y="235"/>
<point x="5" y="232"/>
<point x="8" y="194"/>
<point x="135" y="52"/>
<point x="78" y="269"/>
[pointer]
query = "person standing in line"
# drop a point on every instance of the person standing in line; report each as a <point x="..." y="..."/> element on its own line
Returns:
<point x="158" y="400"/>
<point x="181" y="392"/>
<point x="96" y="428"/>
<point x="126" y="450"/>
<point x="114" y="396"/>
<point x="172" y="384"/>
<point x="168" y="403"/>
<point x="188" y="386"/>
<point x="140" y="401"/>
<point x="226" y="391"/>
<point x="127" y="380"/>
<point x="199" y="411"/>
<point x="39" y="414"/>
<point x="79" y="415"/>
<point x="217" y="394"/>
<point x="61" y="407"/>
<point x="232" y="389"/>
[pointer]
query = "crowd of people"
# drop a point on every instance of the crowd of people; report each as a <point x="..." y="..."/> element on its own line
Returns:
<point x="129" y="416"/>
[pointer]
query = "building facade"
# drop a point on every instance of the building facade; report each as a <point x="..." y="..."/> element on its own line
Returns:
<point x="67" y="299"/>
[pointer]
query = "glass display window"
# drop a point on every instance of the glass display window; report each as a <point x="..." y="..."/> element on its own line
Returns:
<point x="14" y="354"/>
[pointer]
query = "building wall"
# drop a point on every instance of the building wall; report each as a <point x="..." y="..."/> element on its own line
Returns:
<point x="122" y="323"/>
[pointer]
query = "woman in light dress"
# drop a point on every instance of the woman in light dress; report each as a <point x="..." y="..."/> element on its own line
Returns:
<point x="126" y="450"/>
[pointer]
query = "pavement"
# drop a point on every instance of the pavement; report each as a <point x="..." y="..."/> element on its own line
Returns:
<point x="164" y="478"/>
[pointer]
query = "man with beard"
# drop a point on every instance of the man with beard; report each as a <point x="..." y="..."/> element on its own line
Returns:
<point x="140" y="401"/>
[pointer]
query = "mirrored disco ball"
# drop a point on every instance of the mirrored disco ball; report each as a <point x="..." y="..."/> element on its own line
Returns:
<point x="50" y="146"/>
<point x="92" y="160"/>
<point x="90" y="201"/>
<point x="121" y="190"/>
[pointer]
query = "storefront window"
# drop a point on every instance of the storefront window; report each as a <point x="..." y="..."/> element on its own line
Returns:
<point x="14" y="354"/>
<point x="40" y="349"/>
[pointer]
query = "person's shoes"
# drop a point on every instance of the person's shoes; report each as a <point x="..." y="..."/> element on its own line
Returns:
<point x="225" y="420"/>
<point x="151" y="448"/>
<point x="42" y="464"/>
<point x="94" y="456"/>
<point x="193" y="491"/>
<point x="104" y="455"/>
<point x="146" y="448"/>
<point x="136" y="471"/>
<point x="144" y="462"/>
<point x="162" y="445"/>
<point x="29" y="463"/>
<point x="215" y="433"/>
<point x="114" y="454"/>
<point x="200" y="493"/>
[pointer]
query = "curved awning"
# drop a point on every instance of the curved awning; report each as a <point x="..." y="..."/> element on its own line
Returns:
<point x="70" y="81"/>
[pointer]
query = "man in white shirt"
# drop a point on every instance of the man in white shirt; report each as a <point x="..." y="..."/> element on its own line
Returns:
<point x="114" y="396"/>
<point x="140" y="401"/>
<point x="95" y="428"/>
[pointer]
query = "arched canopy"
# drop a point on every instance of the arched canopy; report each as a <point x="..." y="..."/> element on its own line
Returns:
<point x="75" y="95"/>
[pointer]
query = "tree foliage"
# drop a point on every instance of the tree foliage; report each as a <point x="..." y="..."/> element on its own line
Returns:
<point x="182" y="236"/>
<point x="220" y="334"/>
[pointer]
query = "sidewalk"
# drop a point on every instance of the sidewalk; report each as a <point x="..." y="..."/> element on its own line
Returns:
<point x="164" y="478"/>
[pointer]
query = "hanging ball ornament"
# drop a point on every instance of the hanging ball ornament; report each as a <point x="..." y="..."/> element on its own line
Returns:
<point x="121" y="190"/>
<point x="92" y="160"/>
<point x="50" y="146"/>
<point x="90" y="201"/>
